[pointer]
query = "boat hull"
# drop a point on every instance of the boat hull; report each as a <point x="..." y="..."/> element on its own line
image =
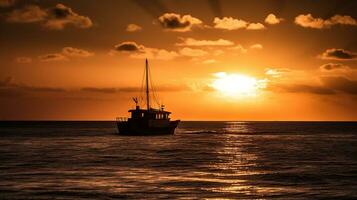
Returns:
<point x="127" y="128"/>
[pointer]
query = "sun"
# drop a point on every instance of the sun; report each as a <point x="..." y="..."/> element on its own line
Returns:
<point x="235" y="85"/>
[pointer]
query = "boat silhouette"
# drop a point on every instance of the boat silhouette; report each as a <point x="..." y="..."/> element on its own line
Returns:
<point x="149" y="121"/>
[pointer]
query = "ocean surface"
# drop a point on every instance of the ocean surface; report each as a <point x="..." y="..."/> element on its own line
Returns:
<point x="203" y="160"/>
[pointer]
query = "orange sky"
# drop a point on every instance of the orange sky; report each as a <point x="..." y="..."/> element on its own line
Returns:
<point x="84" y="60"/>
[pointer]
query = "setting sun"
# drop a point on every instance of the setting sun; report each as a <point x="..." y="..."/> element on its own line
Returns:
<point x="235" y="84"/>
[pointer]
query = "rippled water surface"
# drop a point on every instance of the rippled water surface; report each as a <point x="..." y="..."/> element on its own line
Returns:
<point x="203" y="160"/>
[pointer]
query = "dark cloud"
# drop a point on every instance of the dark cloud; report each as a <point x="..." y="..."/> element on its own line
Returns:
<point x="129" y="47"/>
<point x="27" y="14"/>
<point x="333" y="66"/>
<point x="176" y="22"/>
<point x="111" y="90"/>
<point x="301" y="88"/>
<point x="330" y="85"/>
<point x="52" y="57"/>
<point x="75" y="52"/>
<point x="341" y="84"/>
<point x="142" y="52"/>
<point x="308" y="21"/>
<point x="61" y="16"/>
<point x="338" y="54"/>
<point x="56" y="18"/>
<point x="8" y="88"/>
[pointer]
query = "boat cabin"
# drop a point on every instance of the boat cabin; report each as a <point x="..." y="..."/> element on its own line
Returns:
<point x="149" y="114"/>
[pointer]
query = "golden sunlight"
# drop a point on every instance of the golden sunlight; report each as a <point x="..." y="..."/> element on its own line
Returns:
<point x="235" y="85"/>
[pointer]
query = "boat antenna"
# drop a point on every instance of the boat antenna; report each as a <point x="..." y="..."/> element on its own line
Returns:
<point x="147" y="84"/>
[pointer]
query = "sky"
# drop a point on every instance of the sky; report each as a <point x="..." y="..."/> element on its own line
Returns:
<point x="209" y="59"/>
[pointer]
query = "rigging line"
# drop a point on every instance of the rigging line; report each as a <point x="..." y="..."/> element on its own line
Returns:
<point x="154" y="93"/>
<point x="141" y="96"/>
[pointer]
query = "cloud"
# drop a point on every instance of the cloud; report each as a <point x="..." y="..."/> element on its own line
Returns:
<point x="255" y="26"/>
<point x="61" y="16"/>
<point x="28" y="14"/>
<point x="209" y="61"/>
<point x="23" y="60"/>
<point x="301" y="88"/>
<point x="111" y="90"/>
<point x="55" y="18"/>
<point x="129" y="47"/>
<point x="140" y="51"/>
<point x="276" y="72"/>
<point x="333" y="66"/>
<point x="239" y="48"/>
<point x="256" y="46"/>
<point x="74" y="52"/>
<point x="186" y="51"/>
<point x="133" y="28"/>
<point x="52" y="57"/>
<point x="340" y="83"/>
<point x="338" y="54"/>
<point x="229" y="23"/>
<point x="8" y="88"/>
<point x="194" y="42"/>
<point x="272" y="19"/>
<point x="7" y="3"/>
<point x="176" y="22"/>
<point x="308" y="21"/>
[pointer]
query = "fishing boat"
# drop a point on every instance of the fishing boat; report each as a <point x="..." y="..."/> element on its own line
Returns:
<point x="149" y="121"/>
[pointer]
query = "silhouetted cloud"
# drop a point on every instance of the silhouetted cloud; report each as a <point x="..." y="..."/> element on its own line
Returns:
<point x="176" y="22"/>
<point x="129" y="46"/>
<point x="55" y="18"/>
<point x="23" y="60"/>
<point x="133" y="28"/>
<point x="194" y="42"/>
<point x="186" y="51"/>
<point x="341" y="84"/>
<point x="333" y="66"/>
<point x="8" y="88"/>
<point x="74" y="52"/>
<point x="7" y="3"/>
<point x="272" y="19"/>
<point x="300" y="88"/>
<point x="308" y="21"/>
<point x="52" y="57"/>
<point x="338" y="54"/>
<point x="112" y="90"/>
<point x="140" y="51"/>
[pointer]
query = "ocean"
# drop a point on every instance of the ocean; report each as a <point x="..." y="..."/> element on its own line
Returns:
<point x="203" y="160"/>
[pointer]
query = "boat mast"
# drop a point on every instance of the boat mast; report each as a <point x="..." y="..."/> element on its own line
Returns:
<point x="147" y="85"/>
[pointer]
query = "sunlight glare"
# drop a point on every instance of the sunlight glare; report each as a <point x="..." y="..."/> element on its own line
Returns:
<point x="235" y="84"/>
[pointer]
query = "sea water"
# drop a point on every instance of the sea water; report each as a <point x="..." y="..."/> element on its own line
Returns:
<point x="203" y="160"/>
